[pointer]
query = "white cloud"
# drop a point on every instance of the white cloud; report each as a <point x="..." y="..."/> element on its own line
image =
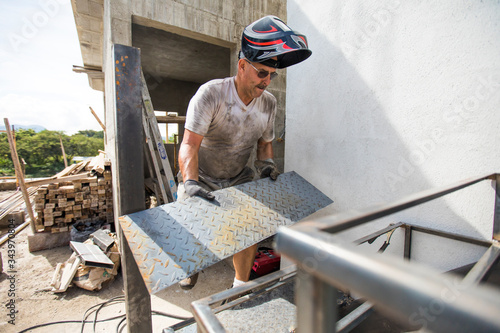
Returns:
<point x="55" y="115"/>
<point x="38" y="86"/>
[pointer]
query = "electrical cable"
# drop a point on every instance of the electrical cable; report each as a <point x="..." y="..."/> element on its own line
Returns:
<point x="66" y="322"/>
<point x="118" y="330"/>
<point x="95" y="309"/>
<point x="103" y="305"/>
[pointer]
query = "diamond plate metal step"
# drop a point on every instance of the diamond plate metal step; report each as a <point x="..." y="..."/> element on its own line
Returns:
<point x="176" y="240"/>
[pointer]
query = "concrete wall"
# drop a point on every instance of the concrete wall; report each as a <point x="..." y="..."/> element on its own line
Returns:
<point x="220" y="22"/>
<point x="399" y="97"/>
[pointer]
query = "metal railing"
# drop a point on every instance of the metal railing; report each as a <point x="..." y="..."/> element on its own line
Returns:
<point x="414" y="295"/>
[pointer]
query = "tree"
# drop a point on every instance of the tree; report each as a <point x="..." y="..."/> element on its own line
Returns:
<point x="81" y="145"/>
<point x="92" y="134"/>
<point x="42" y="151"/>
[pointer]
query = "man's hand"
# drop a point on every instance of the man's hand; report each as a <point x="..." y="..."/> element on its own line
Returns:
<point x="192" y="188"/>
<point x="267" y="168"/>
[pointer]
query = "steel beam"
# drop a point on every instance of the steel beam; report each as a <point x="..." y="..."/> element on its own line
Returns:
<point x="128" y="170"/>
<point x="373" y="236"/>
<point x="354" y="318"/>
<point x="451" y="235"/>
<point x="482" y="268"/>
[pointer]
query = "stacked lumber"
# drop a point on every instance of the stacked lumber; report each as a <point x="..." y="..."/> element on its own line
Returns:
<point x="81" y="192"/>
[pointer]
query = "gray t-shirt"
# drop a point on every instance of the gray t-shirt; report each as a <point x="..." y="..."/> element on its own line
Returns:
<point x="229" y="127"/>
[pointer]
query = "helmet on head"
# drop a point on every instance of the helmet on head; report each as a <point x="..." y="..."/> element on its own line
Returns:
<point x="270" y="37"/>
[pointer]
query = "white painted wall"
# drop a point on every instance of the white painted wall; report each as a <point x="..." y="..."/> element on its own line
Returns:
<point x="399" y="97"/>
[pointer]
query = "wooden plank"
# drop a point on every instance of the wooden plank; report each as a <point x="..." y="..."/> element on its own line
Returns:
<point x="66" y="171"/>
<point x="67" y="275"/>
<point x="54" y="180"/>
<point x="97" y="163"/>
<point x="171" y="119"/>
<point x="63" y="152"/>
<point x="20" y="175"/>
<point x="98" y="120"/>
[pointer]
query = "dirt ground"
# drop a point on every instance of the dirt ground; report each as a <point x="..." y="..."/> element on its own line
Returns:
<point x="27" y="300"/>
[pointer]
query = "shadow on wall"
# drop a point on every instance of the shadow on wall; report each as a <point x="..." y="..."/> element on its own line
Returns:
<point x="361" y="125"/>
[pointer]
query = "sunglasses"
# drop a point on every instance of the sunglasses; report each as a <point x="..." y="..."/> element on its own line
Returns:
<point x="261" y="73"/>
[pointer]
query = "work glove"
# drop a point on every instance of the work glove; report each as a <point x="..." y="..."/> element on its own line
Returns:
<point x="192" y="188"/>
<point x="267" y="168"/>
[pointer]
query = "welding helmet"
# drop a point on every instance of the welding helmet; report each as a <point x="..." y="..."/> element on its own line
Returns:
<point x="270" y="37"/>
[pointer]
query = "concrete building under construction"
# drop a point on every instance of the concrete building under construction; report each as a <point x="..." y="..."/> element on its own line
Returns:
<point x="398" y="101"/>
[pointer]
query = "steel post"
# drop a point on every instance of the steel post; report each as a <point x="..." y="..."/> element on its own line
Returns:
<point x="316" y="304"/>
<point x="496" y="221"/>
<point x="407" y="245"/>
<point x="128" y="184"/>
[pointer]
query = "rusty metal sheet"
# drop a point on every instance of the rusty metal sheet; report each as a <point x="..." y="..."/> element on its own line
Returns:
<point x="176" y="240"/>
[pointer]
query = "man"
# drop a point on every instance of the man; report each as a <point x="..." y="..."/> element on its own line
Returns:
<point x="226" y="117"/>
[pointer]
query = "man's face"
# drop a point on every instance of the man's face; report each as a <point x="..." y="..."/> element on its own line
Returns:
<point x="257" y="77"/>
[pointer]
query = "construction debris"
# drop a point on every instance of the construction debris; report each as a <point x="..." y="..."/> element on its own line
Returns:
<point x="88" y="267"/>
<point x="64" y="274"/>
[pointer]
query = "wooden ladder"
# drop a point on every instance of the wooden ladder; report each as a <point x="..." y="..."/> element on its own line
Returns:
<point x="163" y="184"/>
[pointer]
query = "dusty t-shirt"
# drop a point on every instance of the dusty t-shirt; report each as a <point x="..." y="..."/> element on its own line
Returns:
<point x="229" y="127"/>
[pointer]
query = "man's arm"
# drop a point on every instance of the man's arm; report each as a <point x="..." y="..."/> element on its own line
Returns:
<point x="188" y="155"/>
<point x="264" y="164"/>
<point x="188" y="163"/>
<point x="264" y="150"/>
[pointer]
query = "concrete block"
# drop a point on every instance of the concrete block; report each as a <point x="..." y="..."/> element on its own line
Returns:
<point x="95" y="25"/>
<point x="96" y="9"/>
<point x="44" y="241"/>
<point x="82" y="7"/>
<point x="97" y="57"/>
<point x="83" y="22"/>
<point x="15" y="218"/>
<point x="96" y="38"/>
<point x="85" y="36"/>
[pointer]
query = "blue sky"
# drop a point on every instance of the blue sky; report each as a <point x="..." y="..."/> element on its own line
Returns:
<point x="38" y="47"/>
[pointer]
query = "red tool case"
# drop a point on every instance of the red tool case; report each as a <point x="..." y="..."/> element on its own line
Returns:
<point x="266" y="261"/>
